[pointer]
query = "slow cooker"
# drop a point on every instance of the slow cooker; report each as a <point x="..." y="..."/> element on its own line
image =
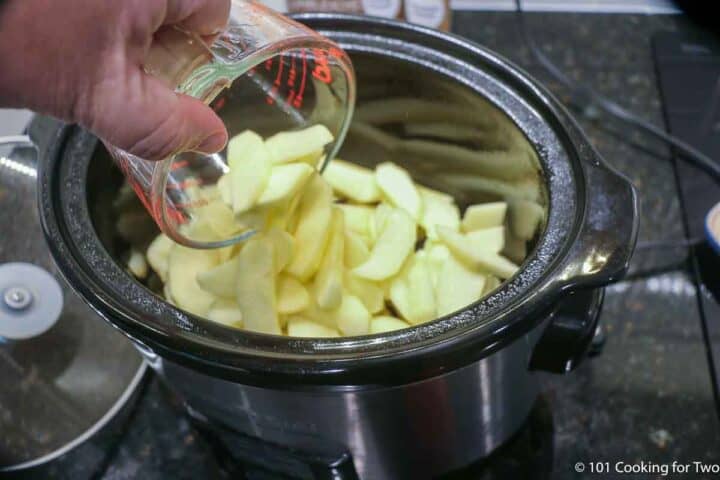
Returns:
<point x="412" y="403"/>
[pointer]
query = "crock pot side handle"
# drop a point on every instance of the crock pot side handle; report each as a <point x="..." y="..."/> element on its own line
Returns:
<point x="606" y="239"/>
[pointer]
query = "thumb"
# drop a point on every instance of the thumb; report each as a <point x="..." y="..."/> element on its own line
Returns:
<point x="149" y="120"/>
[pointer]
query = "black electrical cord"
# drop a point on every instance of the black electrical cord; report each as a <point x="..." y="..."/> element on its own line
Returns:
<point x="587" y="98"/>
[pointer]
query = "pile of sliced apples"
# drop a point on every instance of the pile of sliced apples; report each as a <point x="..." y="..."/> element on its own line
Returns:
<point x="351" y="252"/>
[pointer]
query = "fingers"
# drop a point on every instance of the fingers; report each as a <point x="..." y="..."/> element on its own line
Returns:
<point x="152" y="122"/>
<point x="204" y="17"/>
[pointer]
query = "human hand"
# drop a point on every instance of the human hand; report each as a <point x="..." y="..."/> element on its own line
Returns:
<point x="81" y="61"/>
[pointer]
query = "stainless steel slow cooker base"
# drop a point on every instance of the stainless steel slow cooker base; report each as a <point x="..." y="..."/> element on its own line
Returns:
<point x="409" y="431"/>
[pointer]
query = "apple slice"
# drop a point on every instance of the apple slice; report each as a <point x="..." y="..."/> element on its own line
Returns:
<point x="283" y="246"/>
<point x="488" y="239"/>
<point x="328" y="287"/>
<point x="284" y="183"/>
<point x="312" y="230"/>
<point x="286" y="147"/>
<point x="184" y="264"/>
<point x="357" y="218"/>
<point x="225" y="312"/>
<point x="292" y="296"/>
<point x="476" y="259"/>
<point x="219" y="218"/>
<point x="484" y="215"/>
<point x="457" y="287"/>
<point x="386" y="323"/>
<point x="435" y="194"/>
<point x="397" y="186"/>
<point x="491" y="284"/>
<point x="421" y="294"/>
<point x="352" y="316"/>
<point x="356" y="251"/>
<point x="438" y="211"/>
<point x="395" y="243"/>
<point x="377" y="222"/>
<point x="525" y="218"/>
<point x="352" y="181"/>
<point x="224" y="186"/>
<point x="249" y="163"/>
<point x="515" y="248"/>
<point x="255" y="287"/>
<point x="137" y="265"/>
<point x="298" y="326"/>
<point x="412" y="291"/>
<point x="220" y="280"/>
<point x="158" y="254"/>
<point x="368" y="292"/>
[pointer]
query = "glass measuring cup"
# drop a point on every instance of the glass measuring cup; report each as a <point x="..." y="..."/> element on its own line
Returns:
<point x="264" y="72"/>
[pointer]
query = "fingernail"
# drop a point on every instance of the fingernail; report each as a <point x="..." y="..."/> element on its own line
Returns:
<point x="213" y="143"/>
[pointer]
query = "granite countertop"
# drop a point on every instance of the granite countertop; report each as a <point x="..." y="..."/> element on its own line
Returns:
<point x="648" y="396"/>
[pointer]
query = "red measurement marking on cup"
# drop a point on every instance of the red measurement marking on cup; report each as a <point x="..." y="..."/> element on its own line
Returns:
<point x="268" y="64"/>
<point x="298" y="100"/>
<point x="322" y="66"/>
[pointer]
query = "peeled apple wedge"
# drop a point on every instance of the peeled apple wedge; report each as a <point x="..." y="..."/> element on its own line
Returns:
<point x="219" y="218"/>
<point x="525" y="218"/>
<point x="397" y="186"/>
<point x="368" y="292"/>
<point x="255" y="287"/>
<point x="302" y="327"/>
<point x="329" y="278"/>
<point x="184" y="264"/>
<point x="137" y="264"/>
<point x="484" y="215"/>
<point x="438" y="211"/>
<point x="286" y="147"/>
<point x="435" y="194"/>
<point x="285" y="182"/>
<point x="352" y="181"/>
<point x="352" y="316"/>
<point x="283" y="246"/>
<point x="395" y="243"/>
<point x="491" y="283"/>
<point x="386" y="323"/>
<point x="158" y="255"/>
<point x="457" y="287"/>
<point x="292" y="296"/>
<point x="249" y="163"/>
<point x="488" y="239"/>
<point x="421" y="294"/>
<point x="225" y="312"/>
<point x="220" y="280"/>
<point x="357" y="218"/>
<point x="474" y="258"/>
<point x="356" y="251"/>
<point x="377" y="222"/>
<point x="225" y="189"/>
<point x="412" y="290"/>
<point x="312" y="231"/>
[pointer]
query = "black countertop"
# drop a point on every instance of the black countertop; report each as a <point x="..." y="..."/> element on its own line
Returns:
<point x="648" y="396"/>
